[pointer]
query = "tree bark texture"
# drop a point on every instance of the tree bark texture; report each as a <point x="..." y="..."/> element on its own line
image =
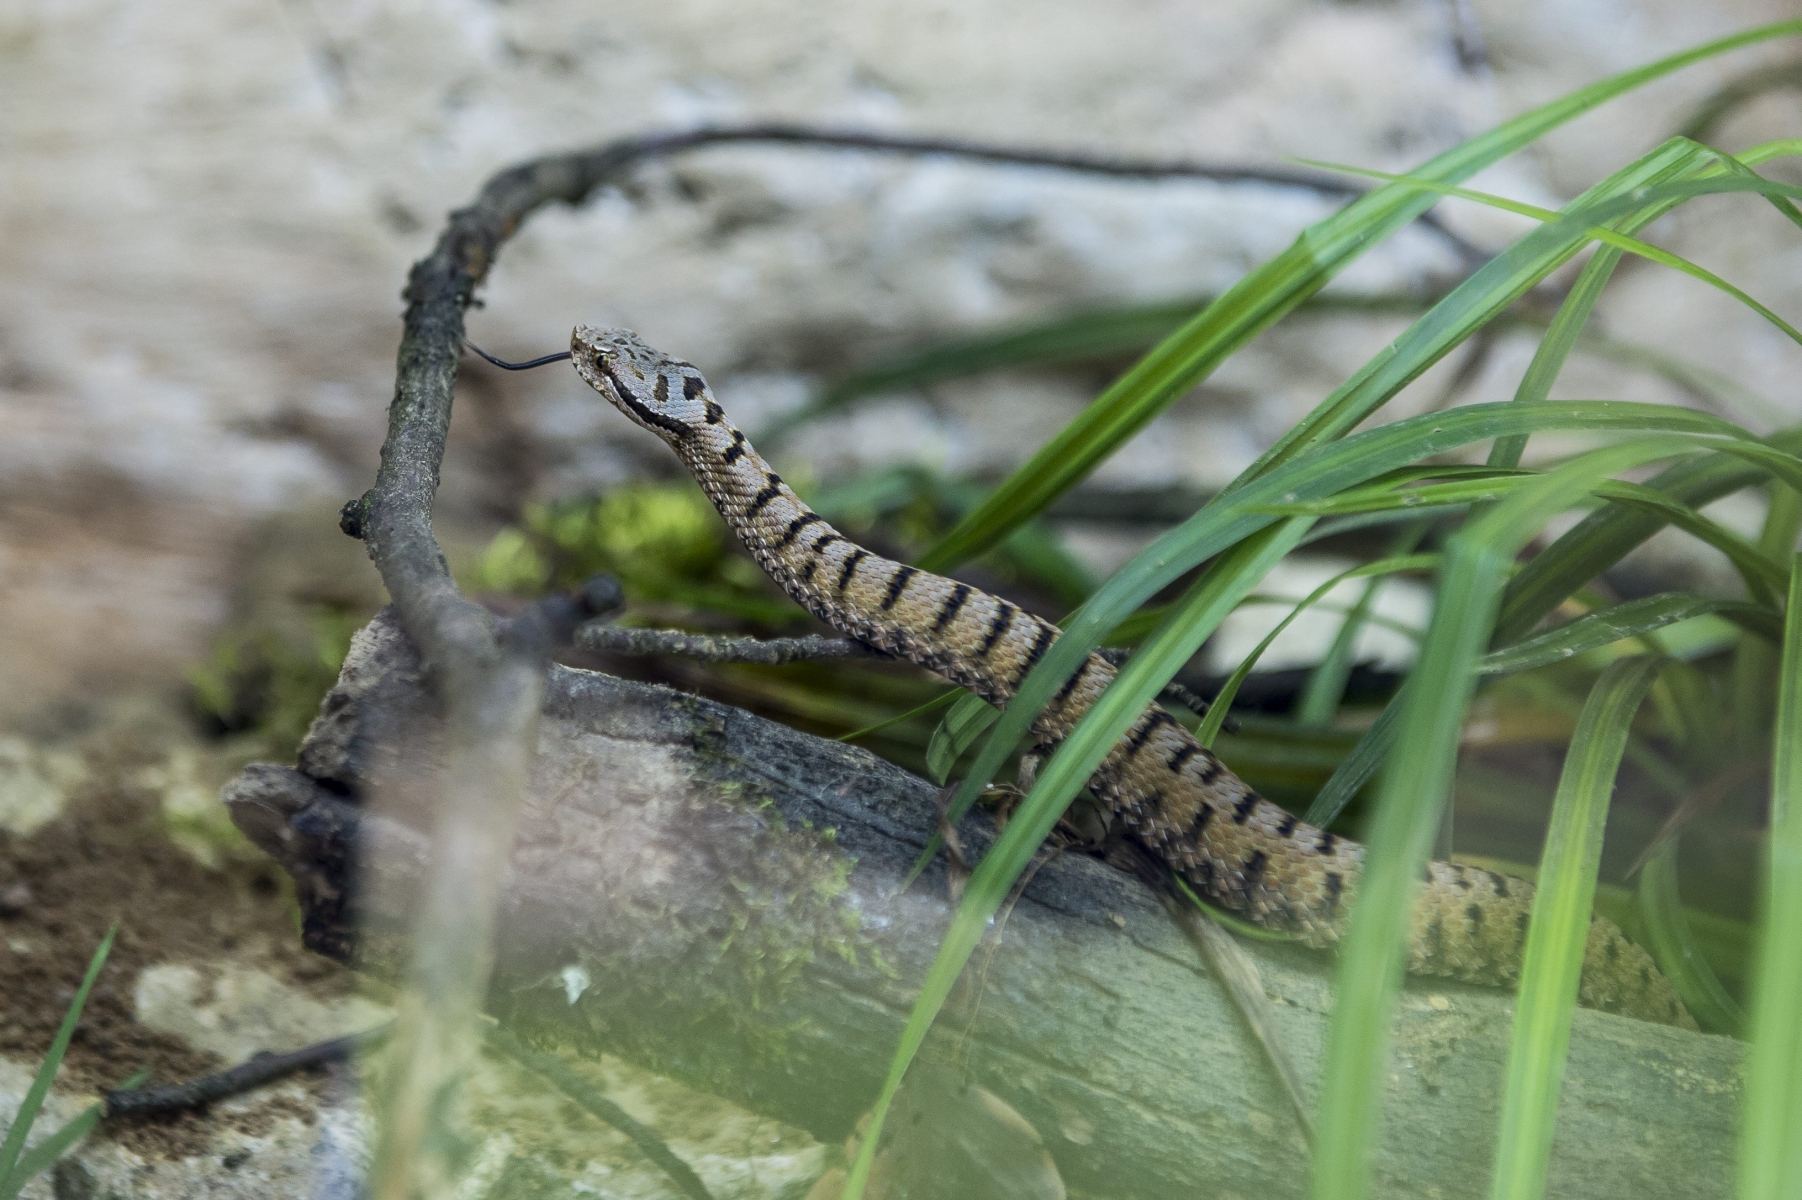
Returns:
<point x="719" y="897"/>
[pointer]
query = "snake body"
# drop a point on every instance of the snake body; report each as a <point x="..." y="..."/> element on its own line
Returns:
<point x="1235" y="848"/>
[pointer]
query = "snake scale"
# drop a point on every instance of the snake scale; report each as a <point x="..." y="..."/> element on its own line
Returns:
<point x="1235" y="848"/>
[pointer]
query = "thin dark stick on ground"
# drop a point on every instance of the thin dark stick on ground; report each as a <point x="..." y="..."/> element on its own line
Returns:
<point x="264" y="1068"/>
<point x="267" y="1068"/>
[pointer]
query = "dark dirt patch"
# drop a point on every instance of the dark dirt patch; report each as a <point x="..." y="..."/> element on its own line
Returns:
<point x="106" y="860"/>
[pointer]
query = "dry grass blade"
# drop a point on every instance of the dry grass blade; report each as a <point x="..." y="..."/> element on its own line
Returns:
<point x="1238" y="974"/>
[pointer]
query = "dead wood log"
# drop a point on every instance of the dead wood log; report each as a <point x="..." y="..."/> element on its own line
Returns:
<point x="716" y="896"/>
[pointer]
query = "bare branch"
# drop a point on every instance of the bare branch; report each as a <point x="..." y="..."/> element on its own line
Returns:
<point x="708" y="648"/>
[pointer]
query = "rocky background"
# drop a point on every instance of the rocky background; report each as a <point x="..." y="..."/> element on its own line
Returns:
<point x="210" y="207"/>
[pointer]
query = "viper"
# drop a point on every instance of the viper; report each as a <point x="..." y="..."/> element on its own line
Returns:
<point x="1236" y="849"/>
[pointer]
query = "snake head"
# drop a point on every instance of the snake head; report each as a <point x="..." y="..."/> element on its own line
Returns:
<point x="664" y="394"/>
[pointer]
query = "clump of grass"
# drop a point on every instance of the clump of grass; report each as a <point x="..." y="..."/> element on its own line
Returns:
<point x="19" y="1166"/>
<point x="1742" y="653"/>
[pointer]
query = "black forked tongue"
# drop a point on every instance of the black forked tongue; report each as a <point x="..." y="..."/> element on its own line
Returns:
<point x="518" y="366"/>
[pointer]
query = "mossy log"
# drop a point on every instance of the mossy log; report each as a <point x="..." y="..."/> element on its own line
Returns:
<point x="718" y="897"/>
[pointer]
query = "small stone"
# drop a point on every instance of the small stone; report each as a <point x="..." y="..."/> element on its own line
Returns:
<point x="15" y="899"/>
<point x="1438" y="1003"/>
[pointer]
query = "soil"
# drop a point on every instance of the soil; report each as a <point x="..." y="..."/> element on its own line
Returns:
<point x="105" y="860"/>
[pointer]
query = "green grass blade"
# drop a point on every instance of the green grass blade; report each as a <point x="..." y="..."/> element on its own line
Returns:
<point x="39" y="1158"/>
<point x="1071" y="337"/>
<point x="1340" y="525"/>
<point x="1318" y="473"/>
<point x="1742" y="165"/>
<point x="1463" y="486"/>
<point x="1753" y="685"/>
<point x="1263" y="297"/>
<point x="1407" y="818"/>
<point x="1413" y="633"/>
<point x="932" y="705"/>
<point x="1560" y="337"/>
<point x="1762" y="573"/>
<point x="1408" y="811"/>
<point x="1552" y="964"/>
<point x="966" y="721"/>
<point x="1771" y="1134"/>
<point x="1704" y="383"/>
<point x="1325" y="689"/>
<point x="1458" y="493"/>
<point x="48" y="1151"/>
<point x="53" y="1058"/>
<point x="1674" y="946"/>
<point x="1603" y="538"/>
<point x="1478" y="300"/>
<point x="1190" y="622"/>
<point x="1358" y="767"/>
<point x="1319" y="701"/>
<point x="1633" y="618"/>
<point x="1074" y="337"/>
<point x="1223" y="700"/>
<point x="1777" y="192"/>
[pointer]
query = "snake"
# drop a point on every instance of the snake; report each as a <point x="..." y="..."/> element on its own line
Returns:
<point x="1237" y="850"/>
